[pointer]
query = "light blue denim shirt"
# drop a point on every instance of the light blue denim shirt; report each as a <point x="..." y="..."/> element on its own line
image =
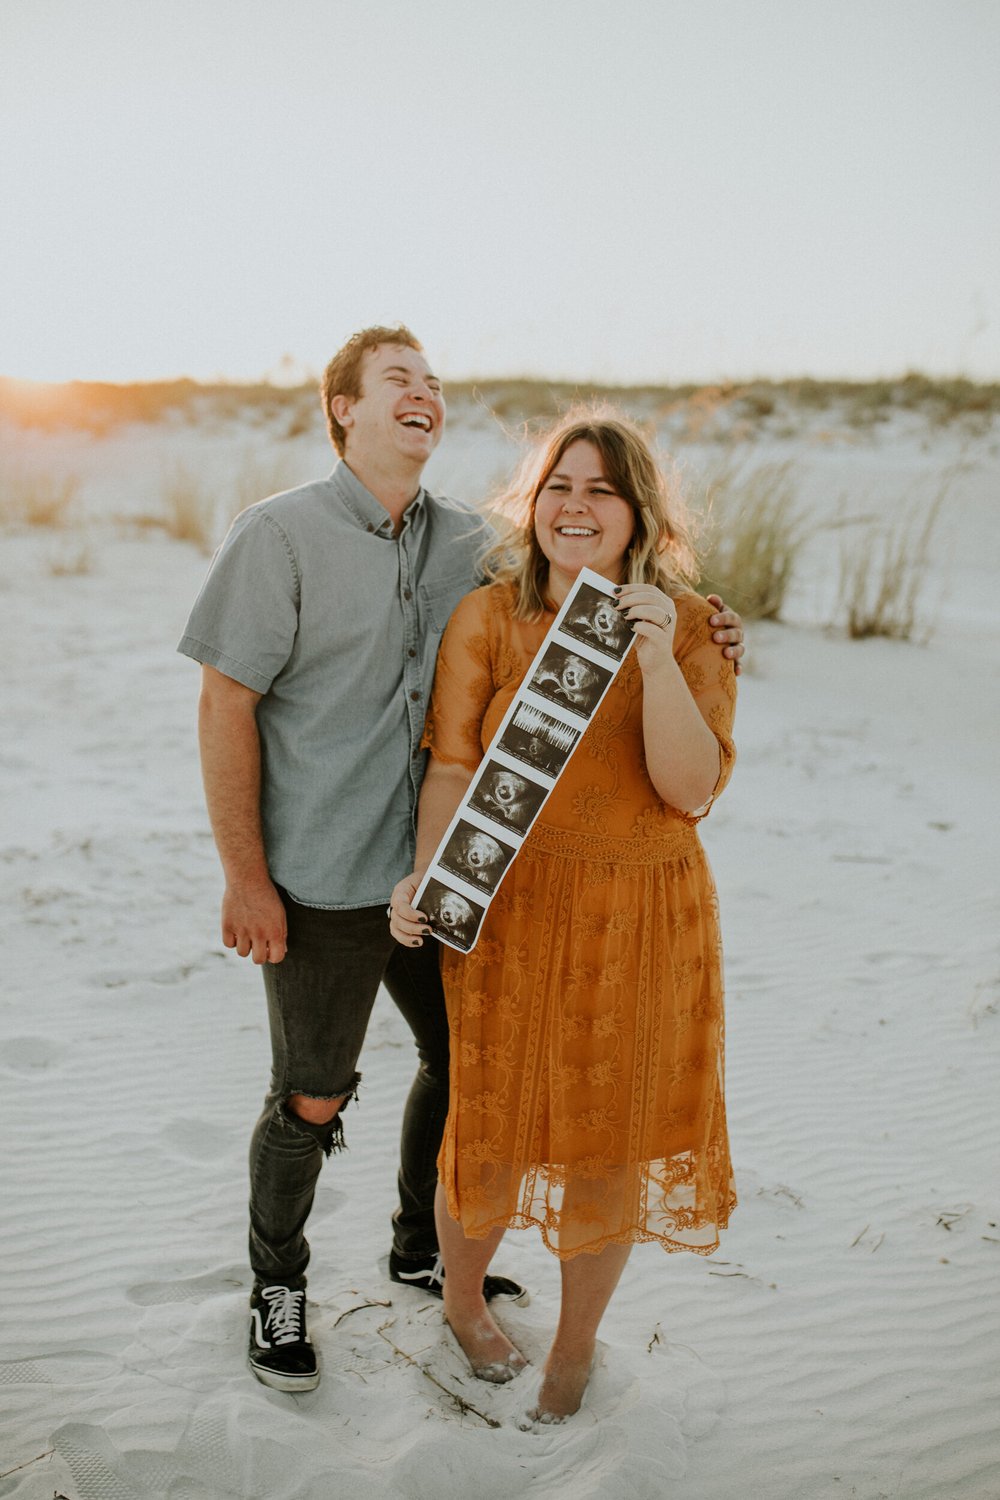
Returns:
<point x="313" y="602"/>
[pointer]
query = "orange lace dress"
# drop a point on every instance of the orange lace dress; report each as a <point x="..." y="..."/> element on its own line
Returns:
<point x="586" y="1087"/>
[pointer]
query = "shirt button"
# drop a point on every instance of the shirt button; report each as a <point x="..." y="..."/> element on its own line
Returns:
<point x="407" y="594"/>
<point x="415" y="696"/>
<point x="411" y="652"/>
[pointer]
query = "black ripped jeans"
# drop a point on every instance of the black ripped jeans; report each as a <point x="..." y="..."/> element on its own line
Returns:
<point x="319" y="1000"/>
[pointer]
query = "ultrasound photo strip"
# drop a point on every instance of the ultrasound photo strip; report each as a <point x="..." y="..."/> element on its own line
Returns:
<point x="582" y="653"/>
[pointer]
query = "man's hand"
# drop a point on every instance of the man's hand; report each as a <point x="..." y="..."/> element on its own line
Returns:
<point x="254" y="922"/>
<point x="728" y="631"/>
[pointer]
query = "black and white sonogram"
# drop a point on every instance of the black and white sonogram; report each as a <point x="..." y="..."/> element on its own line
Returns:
<point x="569" y="680"/>
<point x="538" y="739"/>
<point x="450" y="915"/>
<point x="506" y="798"/>
<point x="476" y="857"/>
<point x="593" y="618"/>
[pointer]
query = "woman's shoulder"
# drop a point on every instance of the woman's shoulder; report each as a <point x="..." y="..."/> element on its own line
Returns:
<point x="693" y="615"/>
<point x="483" y="607"/>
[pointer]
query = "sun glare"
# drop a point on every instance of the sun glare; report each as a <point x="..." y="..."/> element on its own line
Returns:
<point x="30" y="398"/>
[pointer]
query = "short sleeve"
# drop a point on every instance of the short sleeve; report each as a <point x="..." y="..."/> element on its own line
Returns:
<point x="245" y="619"/>
<point x="463" y="685"/>
<point x="711" y="679"/>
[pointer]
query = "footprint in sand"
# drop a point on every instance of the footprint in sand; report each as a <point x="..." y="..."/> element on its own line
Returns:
<point x="73" y="1367"/>
<point x="29" y="1054"/>
<point x="223" y="1282"/>
<point x="93" y="1460"/>
<point x="117" y="979"/>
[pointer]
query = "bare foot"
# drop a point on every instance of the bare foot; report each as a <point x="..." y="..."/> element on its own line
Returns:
<point x="485" y="1345"/>
<point x="562" y="1388"/>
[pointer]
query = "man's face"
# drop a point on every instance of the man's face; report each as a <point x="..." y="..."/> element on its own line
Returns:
<point x="400" y="412"/>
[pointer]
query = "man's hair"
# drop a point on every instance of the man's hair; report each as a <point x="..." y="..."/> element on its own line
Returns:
<point x="342" y="376"/>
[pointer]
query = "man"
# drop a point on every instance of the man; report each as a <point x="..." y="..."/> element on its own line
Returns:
<point x="317" y="630"/>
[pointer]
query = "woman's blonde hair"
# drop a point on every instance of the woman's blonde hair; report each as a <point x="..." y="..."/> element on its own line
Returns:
<point x="661" y="550"/>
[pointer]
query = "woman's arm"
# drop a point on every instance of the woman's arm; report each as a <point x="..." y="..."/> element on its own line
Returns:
<point x="682" y="751"/>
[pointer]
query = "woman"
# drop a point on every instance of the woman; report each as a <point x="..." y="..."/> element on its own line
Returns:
<point x="586" y="1023"/>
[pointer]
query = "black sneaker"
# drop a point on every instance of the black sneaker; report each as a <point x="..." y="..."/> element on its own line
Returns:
<point x="280" y="1352"/>
<point x="427" y="1275"/>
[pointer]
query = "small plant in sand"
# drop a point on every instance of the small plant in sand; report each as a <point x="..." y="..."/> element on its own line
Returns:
<point x="257" y="476"/>
<point x="883" y="576"/>
<point x="71" y="562"/>
<point x="35" y="497"/>
<point x="190" y="507"/>
<point x="755" y="532"/>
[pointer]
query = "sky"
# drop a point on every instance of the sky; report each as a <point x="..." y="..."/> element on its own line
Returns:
<point x="633" y="191"/>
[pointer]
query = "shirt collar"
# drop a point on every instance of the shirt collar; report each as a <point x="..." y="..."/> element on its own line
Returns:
<point x="369" y="513"/>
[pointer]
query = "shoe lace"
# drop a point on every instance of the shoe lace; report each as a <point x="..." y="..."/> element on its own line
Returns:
<point x="436" y="1272"/>
<point x="285" y="1320"/>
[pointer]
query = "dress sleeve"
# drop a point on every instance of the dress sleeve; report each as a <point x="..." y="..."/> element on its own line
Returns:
<point x="711" y="679"/>
<point x="463" y="686"/>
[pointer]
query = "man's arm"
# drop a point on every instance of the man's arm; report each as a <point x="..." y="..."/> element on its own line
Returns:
<point x="253" y="917"/>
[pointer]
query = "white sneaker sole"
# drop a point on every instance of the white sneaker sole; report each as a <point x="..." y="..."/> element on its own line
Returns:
<point x="279" y="1382"/>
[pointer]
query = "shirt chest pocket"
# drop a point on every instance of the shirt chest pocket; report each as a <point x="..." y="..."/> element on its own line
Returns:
<point x="438" y="600"/>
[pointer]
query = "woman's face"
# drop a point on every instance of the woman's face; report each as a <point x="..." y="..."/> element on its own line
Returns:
<point x="580" y="520"/>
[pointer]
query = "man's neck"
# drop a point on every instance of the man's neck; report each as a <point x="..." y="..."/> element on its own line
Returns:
<point x="392" y="488"/>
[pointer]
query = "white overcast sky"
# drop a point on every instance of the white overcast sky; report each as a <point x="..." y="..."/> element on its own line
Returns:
<point x="637" y="190"/>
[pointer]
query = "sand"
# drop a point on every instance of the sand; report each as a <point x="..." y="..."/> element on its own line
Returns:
<point x="844" y="1340"/>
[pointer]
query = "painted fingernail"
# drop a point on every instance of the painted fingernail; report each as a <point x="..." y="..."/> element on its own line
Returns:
<point x="618" y="588"/>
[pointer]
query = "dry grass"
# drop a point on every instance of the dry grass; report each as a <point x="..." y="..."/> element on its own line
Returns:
<point x="883" y="576"/>
<point x="35" y="497"/>
<point x="257" y="476"/>
<point x="71" y="562"/>
<point x="190" y="508"/>
<point x="755" y="534"/>
<point x="197" y="511"/>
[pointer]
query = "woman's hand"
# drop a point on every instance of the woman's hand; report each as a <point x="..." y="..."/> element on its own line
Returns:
<point x="406" y="923"/>
<point x="653" y="616"/>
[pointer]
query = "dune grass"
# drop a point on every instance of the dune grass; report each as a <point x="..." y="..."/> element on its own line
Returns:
<point x="883" y="576"/>
<point x="199" y="510"/>
<point x="190" y="507"/>
<point x="71" y="562"/>
<point x="36" y="497"/>
<point x="754" y="532"/>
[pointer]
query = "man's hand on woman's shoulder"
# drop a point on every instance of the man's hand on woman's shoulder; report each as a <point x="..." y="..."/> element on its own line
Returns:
<point x="727" y="630"/>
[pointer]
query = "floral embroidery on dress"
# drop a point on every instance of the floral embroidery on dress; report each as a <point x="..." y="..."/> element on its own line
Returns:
<point x="624" y="920"/>
<point x="616" y="972"/>
<point x="590" y="804"/>
<point x="694" y="675"/>
<point x="478" y="1151"/>
<point x="608" y="1023"/>
<point x="601" y="1074"/>
<point x="490" y="1102"/>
